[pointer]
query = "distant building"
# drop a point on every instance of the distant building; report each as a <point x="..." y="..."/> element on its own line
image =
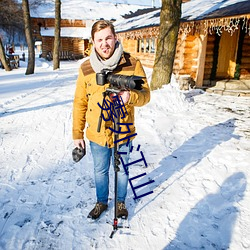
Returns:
<point x="75" y="36"/>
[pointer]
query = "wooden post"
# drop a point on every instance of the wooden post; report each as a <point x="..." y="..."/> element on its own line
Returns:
<point x="201" y="60"/>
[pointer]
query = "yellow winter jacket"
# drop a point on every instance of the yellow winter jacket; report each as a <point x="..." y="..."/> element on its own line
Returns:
<point x="88" y="94"/>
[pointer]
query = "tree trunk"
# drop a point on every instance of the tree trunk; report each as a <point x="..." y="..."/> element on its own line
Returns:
<point x="3" y="57"/>
<point x="56" y="59"/>
<point x="28" y="33"/>
<point x="168" y="34"/>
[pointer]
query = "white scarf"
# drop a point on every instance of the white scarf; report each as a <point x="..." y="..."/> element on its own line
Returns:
<point x="98" y="64"/>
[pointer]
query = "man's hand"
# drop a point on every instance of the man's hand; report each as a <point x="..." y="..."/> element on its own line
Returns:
<point x="125" y="95"/>
<point x="79" y="151"/>
<point x="79" y="143"/>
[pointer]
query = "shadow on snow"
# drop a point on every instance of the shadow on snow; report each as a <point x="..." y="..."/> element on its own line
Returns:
<point x="209" y="225"/>
<point x="22" y="110"/>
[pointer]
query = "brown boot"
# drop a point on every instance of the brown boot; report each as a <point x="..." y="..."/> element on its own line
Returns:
<point x="97" y="210"/>
<point x="122" y="211"/>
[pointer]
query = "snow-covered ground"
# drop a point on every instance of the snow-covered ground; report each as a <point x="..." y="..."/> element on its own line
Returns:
<point x="196" y="146"/>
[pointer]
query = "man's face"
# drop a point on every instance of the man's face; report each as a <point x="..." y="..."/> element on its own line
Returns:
<point x="104" y="42"/>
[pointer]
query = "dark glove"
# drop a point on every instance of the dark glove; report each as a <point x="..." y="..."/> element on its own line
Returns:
<point x="78" y="153"/>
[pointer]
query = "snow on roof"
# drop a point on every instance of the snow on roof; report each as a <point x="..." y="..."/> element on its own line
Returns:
<point x="145" y="20"/>
<point x="79" y="32"/>
<point x="85" y="10"/>
<point x="192" y="10"/>
<point x="197" y="9"/>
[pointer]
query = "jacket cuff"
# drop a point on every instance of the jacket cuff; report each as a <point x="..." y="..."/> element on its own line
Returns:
<point x="77" y="135"/>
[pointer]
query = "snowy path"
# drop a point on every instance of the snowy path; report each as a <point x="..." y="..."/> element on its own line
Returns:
<point x="196" y="146"/>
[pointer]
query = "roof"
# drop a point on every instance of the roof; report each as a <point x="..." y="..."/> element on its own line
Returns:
<point x="208" y="9"/>
<point x="79" y="32"/>
<point x="146" y="20"/>
<point x="193" y="10"/>
<point x="232" y="10"/>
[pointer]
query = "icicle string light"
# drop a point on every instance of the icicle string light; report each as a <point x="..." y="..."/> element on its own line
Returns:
<point x="217" y="25"/>
<point x="151" y="32"/>
<point x="206" y="27"/>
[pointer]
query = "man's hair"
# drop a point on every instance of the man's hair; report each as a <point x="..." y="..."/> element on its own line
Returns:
<point x="101" y="24"/>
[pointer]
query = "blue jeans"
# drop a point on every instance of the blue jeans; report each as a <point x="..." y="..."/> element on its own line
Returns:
<point x="102" y="157"/>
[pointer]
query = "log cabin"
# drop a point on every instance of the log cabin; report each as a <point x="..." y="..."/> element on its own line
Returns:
<point x="213" y="41"/>
<point x="74" y="37"/>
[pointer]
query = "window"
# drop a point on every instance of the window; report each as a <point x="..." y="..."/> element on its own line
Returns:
<point x="146" y="45"/>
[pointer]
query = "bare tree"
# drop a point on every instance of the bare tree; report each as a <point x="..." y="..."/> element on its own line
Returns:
<point x="28" y="33"/>
<point x="11" y="16"/>
<point x="36" y="3"/>
<point x="11" y="24"/>
<point x="56" y="59"/>
<point x="168" y="34"/>
<point x="3" y="57"/>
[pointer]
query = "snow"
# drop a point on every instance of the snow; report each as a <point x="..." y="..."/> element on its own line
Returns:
<point x="155" y="3"/>
<point x="86" y="10"/>
<point x="145" y="20"/>
<point x="84" y="33"/>
<point x="197" y="150"/>
<point x="197" y="9"/>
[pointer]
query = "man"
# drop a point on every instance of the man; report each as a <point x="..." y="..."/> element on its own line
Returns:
<point x="107" y="54"/>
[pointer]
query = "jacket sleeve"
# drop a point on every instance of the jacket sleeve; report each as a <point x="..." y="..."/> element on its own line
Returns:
<point x="141" y="97"/>
<point x="80" y="106"/>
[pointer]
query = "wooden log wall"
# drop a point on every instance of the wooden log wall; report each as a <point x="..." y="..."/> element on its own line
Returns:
<point x="66" y="44"/>
<point x="178" y="61"/>
<point x="209" y="57"/>
<point x="185" y="59"/>
<point x="186" y="55"/>
<point x="146" y="59"/>
<point x="73" y="45"/>
<point x="131" y="46"/>
<point x="47" y="45"/>
<point x="190" y="56"/>
<point x="50" y="22"/>
<point x="79" y="46"/>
